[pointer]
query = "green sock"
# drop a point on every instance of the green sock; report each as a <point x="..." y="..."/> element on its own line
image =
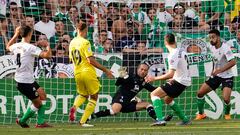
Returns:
<point x="28" y="114"/>
<point x="178" y="111"/>
<point x="200" y="103"/>
<point x="227" y="108"/>
<point x="157" y="104"/>
<point x="41" y="115"/>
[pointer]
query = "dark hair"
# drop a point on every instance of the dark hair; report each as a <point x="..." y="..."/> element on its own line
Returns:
<point x="30" y="16"/>
<point x="81" y="25"/>
<point x="12" y="3"/>
<point x="170" y="38"/>
<point x="151" y="8"/>
<point x="59" y="47"/>
<point x="64" y="41"/>
<point x="143" y="63"/>
<point x="73" y="7"/>
<point x="214" y="31"/>
<point x="25" y="30"/>
<point x="177" y="5"/>
<point x="103" y="31"/>
<point x="46" y="11"/>
<point x="112" y="4"/>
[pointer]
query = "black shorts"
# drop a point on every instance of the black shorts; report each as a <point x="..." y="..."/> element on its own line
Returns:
<point x="173" y="89"/>
<point x="214" y="82"/>
<point x="127" y="104"/>
<point x="28" y="89"/>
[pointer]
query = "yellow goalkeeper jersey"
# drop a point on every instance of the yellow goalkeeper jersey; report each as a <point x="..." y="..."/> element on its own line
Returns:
<point x="79" y="50"/>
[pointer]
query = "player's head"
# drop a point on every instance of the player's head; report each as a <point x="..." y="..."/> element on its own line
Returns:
<point x="169" y="39"/>
<point x="214" y="37"/>
<point x="26" y="31"/>
<point x="82" y="28"/>
<point x="142" y="70"/>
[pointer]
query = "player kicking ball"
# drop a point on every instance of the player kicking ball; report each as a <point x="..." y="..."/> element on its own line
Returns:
<point x="25" y="54"/>
<point x="129" y="87"/>
<point x="180" y="79"/>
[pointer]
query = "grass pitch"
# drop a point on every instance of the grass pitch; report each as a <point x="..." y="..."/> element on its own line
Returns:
<point x="205" y="127"/>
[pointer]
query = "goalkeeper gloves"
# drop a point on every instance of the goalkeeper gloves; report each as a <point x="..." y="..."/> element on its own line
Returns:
<point x="122" y="72"/>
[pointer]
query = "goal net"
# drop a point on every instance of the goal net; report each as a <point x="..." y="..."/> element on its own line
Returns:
<point x="121" y="33"/>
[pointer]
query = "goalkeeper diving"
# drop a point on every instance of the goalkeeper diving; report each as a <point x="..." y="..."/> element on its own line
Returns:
<point x="129" y="87"/>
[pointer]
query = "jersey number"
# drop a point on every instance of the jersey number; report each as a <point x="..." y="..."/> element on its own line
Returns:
<point x="18" y="59"/>
<point x="76" y="57"/>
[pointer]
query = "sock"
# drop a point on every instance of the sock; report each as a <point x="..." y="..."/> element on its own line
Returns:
<point x="178" y="111"/>
<point x="41" y="115"/>
<point x="88" y="110"/>
<point x="227" y="108"/>
<point x="79" y="100"/>
<point x="29" y="113"/>
<point x="151" y="112"/>
<point x="200" y="103"/>
<point x="157" y="103"/>
<point x="102" y="113"/>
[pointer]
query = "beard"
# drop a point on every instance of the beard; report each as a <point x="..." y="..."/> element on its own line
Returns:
<point x="213" y="43"/>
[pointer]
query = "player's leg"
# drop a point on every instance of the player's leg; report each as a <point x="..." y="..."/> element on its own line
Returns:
<point x="227" y="105"/>
<point x="117" y="101"/>
<point x="89" y="108"/>
<point x="227" y="86"/>
<point x="115" y="108"/>
<point x="211" y="84"/>
<point x="80" y="99"/>
<point x="92" y="88"/>
<point x="201" y="100"/>
<point x="146" y="105"/>
<point x="41" y="110"/>
<point x="30" y="92"/>
<point x="36" y="103"/>
<point x="175" y="107"/>
<point x="156" y="96"/>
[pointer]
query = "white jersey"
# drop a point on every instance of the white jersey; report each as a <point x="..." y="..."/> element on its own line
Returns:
<point x="177" y="60"/>
<point x="24" y="54"/>
<point x="221" y="56"/>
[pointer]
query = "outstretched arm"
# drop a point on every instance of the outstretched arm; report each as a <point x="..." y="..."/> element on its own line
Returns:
<point x="166" y="76"/>
<point x="92" y="61"/>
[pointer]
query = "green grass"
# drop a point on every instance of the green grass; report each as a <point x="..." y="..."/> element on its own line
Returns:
<point x="206" y="127"/>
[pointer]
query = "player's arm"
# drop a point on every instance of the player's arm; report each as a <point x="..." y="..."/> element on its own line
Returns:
<point x="92" y="61"/>
<point x="166" y="76"/>
<point x="149" y="87"/>
<point x="14" y="38"/>
<point x="226" y="67"/>
<point x="47" y="54"/>
<point x="123" y="80"/>
<point x="172" y="62"/>
<point x="123" y="76"/>
<point x="231" y="61"/>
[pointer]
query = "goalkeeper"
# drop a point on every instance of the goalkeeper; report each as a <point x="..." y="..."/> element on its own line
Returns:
<point x="129" y="86"/>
